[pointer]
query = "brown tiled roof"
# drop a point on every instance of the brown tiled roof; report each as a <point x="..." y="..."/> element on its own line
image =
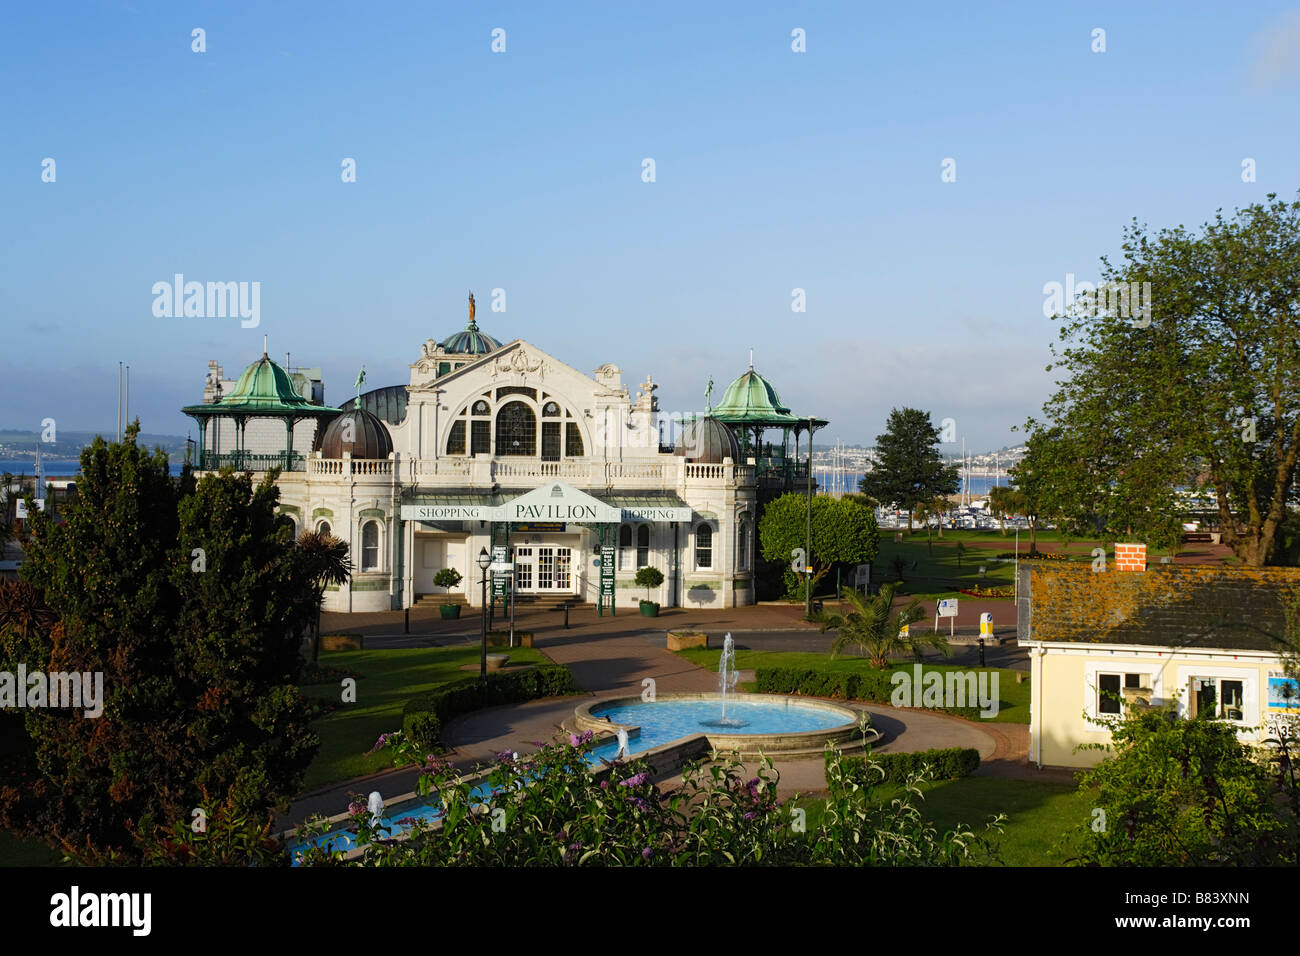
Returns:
<point x="1174" y="605"/>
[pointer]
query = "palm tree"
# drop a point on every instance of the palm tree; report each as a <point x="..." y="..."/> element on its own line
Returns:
<point x="864" y="621"/>
<point x="327" y="562"/>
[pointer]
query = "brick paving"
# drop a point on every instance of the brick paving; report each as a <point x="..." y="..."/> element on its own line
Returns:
<point x="610" y="656"/>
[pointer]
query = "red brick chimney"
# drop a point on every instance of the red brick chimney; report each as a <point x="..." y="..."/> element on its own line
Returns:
<point x="1130" y="557"/>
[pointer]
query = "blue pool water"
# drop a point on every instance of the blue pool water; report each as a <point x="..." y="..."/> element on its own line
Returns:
<point x="661" y="722"/>
<point x="667" y="720"/>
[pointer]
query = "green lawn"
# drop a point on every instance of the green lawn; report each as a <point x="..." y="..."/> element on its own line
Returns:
<point x="1041" y="816"/>
<point x="388" y="678"/>
<point x="1013" y="706"/>
<point x="937" y="574"/>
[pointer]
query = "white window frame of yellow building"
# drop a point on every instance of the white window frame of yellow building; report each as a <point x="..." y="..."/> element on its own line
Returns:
<point x="1250" y="707"/>
<point x="1093" y="669"/>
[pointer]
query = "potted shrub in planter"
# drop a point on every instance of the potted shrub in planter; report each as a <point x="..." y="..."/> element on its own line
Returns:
<point x="648" y="578"/>
<point x="448" y="578"/>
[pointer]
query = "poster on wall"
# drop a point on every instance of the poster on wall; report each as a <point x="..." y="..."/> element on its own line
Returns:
<point x="1283" y="695"/>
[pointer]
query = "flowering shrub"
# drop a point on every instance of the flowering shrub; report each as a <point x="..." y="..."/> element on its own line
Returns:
<point x="1036" y="556"/>
<point x="990" y="592"/>
<point x="555" y="810"/>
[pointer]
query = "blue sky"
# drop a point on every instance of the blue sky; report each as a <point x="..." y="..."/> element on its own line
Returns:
<point x="521" y="170"/>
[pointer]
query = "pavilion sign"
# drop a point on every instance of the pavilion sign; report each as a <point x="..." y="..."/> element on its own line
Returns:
<point x="556" y="501"/>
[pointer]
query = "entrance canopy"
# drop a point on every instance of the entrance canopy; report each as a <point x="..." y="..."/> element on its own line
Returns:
<point x="554" y="501"/>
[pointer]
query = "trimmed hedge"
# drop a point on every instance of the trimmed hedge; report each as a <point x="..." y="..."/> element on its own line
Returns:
<point x="873" y="685"/>
<point x="951" y="763"/>
<point x="425" y="714"/>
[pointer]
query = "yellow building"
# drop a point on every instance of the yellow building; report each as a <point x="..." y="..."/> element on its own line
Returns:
<point x="1211" y="638"/>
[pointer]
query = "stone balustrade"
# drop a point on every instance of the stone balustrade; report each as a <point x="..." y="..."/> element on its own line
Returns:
<point x="591" y="475"/>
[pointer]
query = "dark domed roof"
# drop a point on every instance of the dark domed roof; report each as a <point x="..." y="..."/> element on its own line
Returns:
<point x="470" y="341"/>
<point x="707" y="440"/>
<point x="358" y="433"/>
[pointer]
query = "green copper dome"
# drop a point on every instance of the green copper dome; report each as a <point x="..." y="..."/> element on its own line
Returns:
<point x="752" y="399"/>
<point x="265" y="384"/>
<point x="470" y="341"/>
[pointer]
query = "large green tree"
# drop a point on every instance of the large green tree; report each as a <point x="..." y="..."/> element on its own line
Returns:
<point x="188" y="598"/>
<point x="1199" y="388"/>
<point x="908" y="469"/>
<point x="843" y="532"/>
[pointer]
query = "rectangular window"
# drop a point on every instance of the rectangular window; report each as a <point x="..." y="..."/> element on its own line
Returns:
<point x="1206" y="696"/>
<point x="481" y="438"/>
<point x="550" y="441"/>
<point x="1108" y="699"/>
<point x="1232" y="699"/>
<point x="524" y="569"/>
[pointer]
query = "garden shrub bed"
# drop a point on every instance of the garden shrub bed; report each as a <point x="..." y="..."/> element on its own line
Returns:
<point x="425" y="714"/>
<point x="873" y="685"/>
<point x="951" y="763"/>
<point x="502" y="638"/>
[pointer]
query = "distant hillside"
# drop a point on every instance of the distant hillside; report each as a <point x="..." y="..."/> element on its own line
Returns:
<point x="16" y="443"/>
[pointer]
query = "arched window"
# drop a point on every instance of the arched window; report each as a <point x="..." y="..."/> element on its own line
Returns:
<point x="704" y="546"/>
<point x="643" y="546"/>
<point x="480" y="438"/>
<point x="572" y="441"/>
<point x="324" y="528"/>
<point x="516" y="430"/>
<point x="292" y="525"/>
<point x="370" y="546"/>
<point x="456" y="439"/>
<point x="742" y="546"/>
<point x="624" y="546"/>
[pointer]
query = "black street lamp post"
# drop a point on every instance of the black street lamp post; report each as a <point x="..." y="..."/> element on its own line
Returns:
<point x="484" y="559"/>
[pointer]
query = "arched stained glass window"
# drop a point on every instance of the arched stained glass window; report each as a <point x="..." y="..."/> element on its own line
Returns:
<point x="516" y="430"/>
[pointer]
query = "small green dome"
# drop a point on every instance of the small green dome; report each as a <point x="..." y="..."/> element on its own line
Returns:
<point x="264" y="383"/>
<point x="750" y="397"/>
<point x="470" y="341"/>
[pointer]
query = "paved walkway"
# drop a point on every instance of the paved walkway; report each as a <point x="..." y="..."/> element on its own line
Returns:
<point x="611" y="656"/>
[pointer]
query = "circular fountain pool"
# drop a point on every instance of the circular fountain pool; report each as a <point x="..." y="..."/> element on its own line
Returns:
<point x="773" y="724"/>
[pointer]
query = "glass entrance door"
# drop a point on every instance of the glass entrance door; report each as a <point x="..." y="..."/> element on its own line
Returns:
<point x="525" y="561"/>
<point x="554" y="569"/>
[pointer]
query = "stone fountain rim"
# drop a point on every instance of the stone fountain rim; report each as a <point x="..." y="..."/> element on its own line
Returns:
<point x="772" y="743"/>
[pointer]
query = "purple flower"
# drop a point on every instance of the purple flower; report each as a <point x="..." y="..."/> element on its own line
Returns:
<point x="636" y="780"/>
<point x="750" y="815"/>
<point x="503" y="755"/>
<point x="382" y="742"/>
<point x="407" y="822"/>
<point x="604" y="785"/>
<point x="640" y="804"/>
<point x="356" y="806"/>
<point x="574" y="741"/>
<point x="647" y="853"/>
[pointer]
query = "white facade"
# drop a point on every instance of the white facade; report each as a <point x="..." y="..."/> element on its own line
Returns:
<point x="505" y="424"/>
